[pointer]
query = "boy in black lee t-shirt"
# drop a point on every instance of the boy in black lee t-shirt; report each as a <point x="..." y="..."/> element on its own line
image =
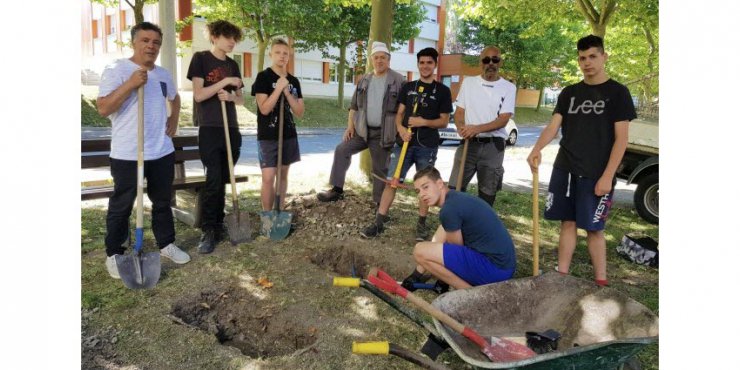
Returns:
<point x="271" y="85"/>
<point x="425" y="106"/>
<point x="216" y="78"/>
<point x="594" y="115"/>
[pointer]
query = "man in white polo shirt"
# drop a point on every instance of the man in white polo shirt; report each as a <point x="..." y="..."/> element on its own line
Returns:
<point x="484" y="105"/>
<point x="117" y="99"/>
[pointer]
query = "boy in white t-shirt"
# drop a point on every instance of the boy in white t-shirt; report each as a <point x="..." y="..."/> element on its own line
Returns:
<point x="484" y="105"/>
<point x="117" y="99"/>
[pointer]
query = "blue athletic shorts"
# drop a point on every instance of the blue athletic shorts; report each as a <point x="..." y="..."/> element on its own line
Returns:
<point x="571" y="198"/>
<point x="472" y="266"/>
<point x="420" y="156"/>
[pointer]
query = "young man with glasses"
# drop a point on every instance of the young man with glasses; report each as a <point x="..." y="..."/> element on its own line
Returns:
<point x="594" y="115"/>
<point x="485" y="104"/>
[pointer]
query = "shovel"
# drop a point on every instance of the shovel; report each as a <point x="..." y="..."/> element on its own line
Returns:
<point x="277" y="222"/>
<point x="500" y="350"/>
<point x="137" y="270"/>
<point x="394" y="182"/>
<point x="237" y="222"/>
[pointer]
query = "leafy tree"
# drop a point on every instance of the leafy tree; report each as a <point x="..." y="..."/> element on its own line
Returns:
<point x="261" y="19"/>
<point x="334" y="25"/>
<point x="137" y="6"/>
<point x="531" y="59"/>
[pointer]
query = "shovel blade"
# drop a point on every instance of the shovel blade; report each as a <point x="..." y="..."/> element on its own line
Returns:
<point x="503" y="350"/>
<point x="238" y="227"/>
<point x="276" y="224"/>
<point x="139" y="271"/>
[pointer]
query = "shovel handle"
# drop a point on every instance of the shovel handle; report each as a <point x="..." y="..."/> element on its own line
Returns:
<point x="280" y="152"/>
<point x="461" y="170"/>
<point x="230" y="158"/>
<point x="535" y="222"/>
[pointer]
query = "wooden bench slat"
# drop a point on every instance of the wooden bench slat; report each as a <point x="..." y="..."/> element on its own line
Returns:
<point x="97" y="192"/>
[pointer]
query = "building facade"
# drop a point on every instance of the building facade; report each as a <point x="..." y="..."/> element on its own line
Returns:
<point x="105" y="32"/>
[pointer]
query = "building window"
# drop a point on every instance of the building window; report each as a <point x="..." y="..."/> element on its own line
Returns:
<point x="347" y="74"/>
<point x="431" y="11"/>
<point x="308" y="70"/>
<point x="238" y="59"/>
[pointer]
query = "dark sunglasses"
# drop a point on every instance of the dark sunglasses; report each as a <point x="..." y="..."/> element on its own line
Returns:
<point x="487" y="60"/>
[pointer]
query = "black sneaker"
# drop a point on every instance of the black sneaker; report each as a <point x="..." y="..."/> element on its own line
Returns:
<point x="207" y="242"/>
<point x="372" y="231"/>
<point x="441" y="287"/>
<point x="415" y="278"/>
<point x="422" y="232"/>
<point x="329" y="196"/>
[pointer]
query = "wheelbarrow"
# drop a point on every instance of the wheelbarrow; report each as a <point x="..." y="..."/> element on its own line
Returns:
<point x="600" y="327"/>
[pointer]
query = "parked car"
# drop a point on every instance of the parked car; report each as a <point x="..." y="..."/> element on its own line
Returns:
<point x="450" y="132"/>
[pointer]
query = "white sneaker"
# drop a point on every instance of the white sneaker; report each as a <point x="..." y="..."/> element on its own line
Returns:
<point x="175" y="254"/>
<point x="110" y="264"/>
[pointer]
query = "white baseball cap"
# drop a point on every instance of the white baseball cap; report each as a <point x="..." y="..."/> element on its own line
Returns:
<point x="379" y="46"/>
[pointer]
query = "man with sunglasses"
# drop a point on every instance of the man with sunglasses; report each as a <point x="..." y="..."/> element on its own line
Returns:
<point x="594" y="115"/>
<point x="485" y="104"/>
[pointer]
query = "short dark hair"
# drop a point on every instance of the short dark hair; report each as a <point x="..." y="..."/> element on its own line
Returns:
<point x="430" y="172"/>
<point x="147" y="26"/>
<point x="591" y="41"/>
<point x="427" y="52"/>
<point x="224" y="28"/>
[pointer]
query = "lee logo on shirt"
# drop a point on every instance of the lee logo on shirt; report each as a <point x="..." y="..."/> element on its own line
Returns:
<point x="586" y="107"/>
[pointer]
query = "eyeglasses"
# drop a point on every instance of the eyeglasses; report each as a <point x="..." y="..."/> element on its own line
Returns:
<point x="487" y="60"/>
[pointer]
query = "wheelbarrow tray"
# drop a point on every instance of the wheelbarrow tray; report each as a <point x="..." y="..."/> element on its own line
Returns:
<point x="601" y="327"/>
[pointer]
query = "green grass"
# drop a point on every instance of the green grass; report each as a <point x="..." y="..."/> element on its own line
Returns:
<point x="531" y="117"/>
<point x="319" y="113"/>
<point x="89" y="114"/>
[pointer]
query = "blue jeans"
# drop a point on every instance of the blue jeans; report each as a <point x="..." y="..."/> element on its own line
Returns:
<point x="420" y="156"/>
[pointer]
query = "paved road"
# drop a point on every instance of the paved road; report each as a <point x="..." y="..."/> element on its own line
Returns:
<point x="317" y="148"/>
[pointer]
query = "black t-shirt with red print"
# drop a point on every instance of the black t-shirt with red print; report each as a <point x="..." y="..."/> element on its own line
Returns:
<point x="212" y="70"/>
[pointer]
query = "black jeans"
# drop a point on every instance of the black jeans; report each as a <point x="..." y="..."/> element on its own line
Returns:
<point x="159" y="174"/>
<point x="212" y="145"/>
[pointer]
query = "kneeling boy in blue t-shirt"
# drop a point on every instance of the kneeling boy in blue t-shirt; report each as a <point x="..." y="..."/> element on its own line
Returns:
<point x="471" y="246"/>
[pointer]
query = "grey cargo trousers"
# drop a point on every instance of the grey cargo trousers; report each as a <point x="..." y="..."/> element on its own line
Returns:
<point x="343" y="158"/>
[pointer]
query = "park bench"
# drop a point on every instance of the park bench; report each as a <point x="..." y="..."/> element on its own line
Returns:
<point x="186" y="197"/>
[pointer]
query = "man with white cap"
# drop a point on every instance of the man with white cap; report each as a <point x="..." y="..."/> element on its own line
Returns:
<point x="370" y="125"/>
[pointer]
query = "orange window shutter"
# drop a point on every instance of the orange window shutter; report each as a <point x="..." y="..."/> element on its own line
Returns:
<point x="247" y="57"/>
<point x="95" y="28"/>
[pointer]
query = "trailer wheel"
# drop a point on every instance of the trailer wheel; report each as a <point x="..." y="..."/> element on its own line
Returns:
<point x="646" y="198"/>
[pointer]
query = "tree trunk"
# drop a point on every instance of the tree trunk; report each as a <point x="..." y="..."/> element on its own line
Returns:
<point x="341" y="68"/>
<point x="139" y="11"/>
<point x="647" y="84"/>
<point x="261" y="47"/>
<point x="381" y="29"/>
<point x="539" y="100"/>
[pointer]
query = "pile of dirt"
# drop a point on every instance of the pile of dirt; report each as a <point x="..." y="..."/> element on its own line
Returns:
<point x="238" y="319"/>
<point x="340" y="220"/>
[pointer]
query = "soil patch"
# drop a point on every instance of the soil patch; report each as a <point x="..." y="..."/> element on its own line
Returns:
<point x="238" y="319"/>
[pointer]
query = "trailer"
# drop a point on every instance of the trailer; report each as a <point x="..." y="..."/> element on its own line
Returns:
<point x="640" y="166"/>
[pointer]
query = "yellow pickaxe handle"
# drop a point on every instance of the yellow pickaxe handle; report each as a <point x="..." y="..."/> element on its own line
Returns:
<point x="397" y="174"/>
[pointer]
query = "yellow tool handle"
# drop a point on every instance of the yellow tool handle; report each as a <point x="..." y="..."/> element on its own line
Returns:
<point x="397" y="173"/>
<point x="346" y="282"/>
<point x="371" y="348"/>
